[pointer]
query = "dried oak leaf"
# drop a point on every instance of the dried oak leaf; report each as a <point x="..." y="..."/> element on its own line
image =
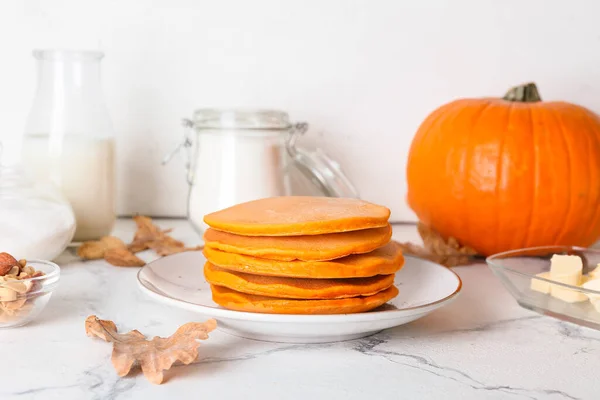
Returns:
<point x="146" y="234"/>
<point x="150" y="236"/>
<point x="123" y="257"/>
<point x="153" y="356"/>
<point x="163" y="250"/>
<point x="136" y="247"/>
<point x="168" y="246"/>
<point x="447" y="252"/>
<point x="96" y="249"/>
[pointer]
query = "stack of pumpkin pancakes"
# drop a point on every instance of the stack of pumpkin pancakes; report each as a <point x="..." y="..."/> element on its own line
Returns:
<point x="301" y="255"/>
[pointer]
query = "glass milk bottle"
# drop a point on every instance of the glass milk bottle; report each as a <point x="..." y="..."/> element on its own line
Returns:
<point x="69" y="137"/>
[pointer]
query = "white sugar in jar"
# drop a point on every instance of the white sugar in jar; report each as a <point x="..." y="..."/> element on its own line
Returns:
<point x="36" y="222"/>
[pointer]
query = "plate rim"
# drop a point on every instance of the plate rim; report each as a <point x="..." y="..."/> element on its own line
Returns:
<point x="304" y="318"/>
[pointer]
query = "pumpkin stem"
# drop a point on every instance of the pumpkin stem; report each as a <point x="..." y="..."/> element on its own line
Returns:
<point x="526" y="93"/>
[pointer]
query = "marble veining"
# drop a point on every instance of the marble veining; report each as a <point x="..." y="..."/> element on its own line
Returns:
<point x="482" y="346"/>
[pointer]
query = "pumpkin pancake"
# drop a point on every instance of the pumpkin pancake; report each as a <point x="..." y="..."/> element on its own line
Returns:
<point x="307" y="248"/>
<point x="382" y="261"/>
<point x="298" y="215"/>
<point x="296" y="288"/>
<point x="237" y="301"/>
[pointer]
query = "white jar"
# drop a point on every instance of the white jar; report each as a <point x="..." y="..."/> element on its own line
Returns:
<point x="236" y="156"/>
<point x="36" y="221"/>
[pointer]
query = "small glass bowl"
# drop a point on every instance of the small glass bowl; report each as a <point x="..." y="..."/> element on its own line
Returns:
<point x="18" y="309"/>
<point x="517" y="268"/>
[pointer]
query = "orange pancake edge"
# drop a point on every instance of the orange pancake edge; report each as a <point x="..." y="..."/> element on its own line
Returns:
<point x="298" y="215"/>
<point x="237" y="301"/>
<point x="296" y="288"/>
<point x="305" y="247"/>
<point x="382" y="261"/>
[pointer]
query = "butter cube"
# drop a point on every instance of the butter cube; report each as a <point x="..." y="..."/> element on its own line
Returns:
<point x="566" y="269"/>
<point x="596" y="305"/>
<point x="593" y="284"/>
<point x="566" y="294"/>
<point x="539" y="285"/>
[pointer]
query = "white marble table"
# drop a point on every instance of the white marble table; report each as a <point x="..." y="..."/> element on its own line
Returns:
<point x="482" y="346"/>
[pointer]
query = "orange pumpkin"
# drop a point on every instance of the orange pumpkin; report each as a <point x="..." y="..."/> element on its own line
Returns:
<point x="505" y="173"/>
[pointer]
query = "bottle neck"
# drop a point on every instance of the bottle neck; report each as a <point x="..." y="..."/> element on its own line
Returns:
<point x="69" y="98"/>
<point x="69" y="77"/>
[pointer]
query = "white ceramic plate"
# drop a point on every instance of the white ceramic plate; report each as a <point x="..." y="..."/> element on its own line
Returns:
<point x="179" y="280"/>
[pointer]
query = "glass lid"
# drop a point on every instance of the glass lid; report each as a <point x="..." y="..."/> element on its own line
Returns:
<point x="322" y="171"/>
<point x="212" y="118"/>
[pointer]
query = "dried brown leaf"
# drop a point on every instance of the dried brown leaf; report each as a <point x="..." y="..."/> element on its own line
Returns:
<point x="95" y="249"/>
<point x="168" y="246"/>
<point x="166" y="241"/>
<point x="122" y="257"/>
<point x="152" y="356"/>
<point x="148" y="235"/>
<point x="136" y="247"/>
<point x="146" y="231"/>
<point x="447" y="252"/>
<point x="162" y="250"/>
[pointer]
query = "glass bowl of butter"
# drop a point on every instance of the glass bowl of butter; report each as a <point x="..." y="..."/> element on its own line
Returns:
<point x="558" y="281"/>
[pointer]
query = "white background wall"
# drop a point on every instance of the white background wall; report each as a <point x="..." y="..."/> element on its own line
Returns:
<point x="364" y="74"/>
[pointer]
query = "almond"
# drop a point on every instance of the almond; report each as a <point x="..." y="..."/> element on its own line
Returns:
<point x="14" y="305"/>
<point x="6" y="263"/>
<point x="18" y="286"/>
<point x="14" y="271"/>
<point x="7" y="294"/>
